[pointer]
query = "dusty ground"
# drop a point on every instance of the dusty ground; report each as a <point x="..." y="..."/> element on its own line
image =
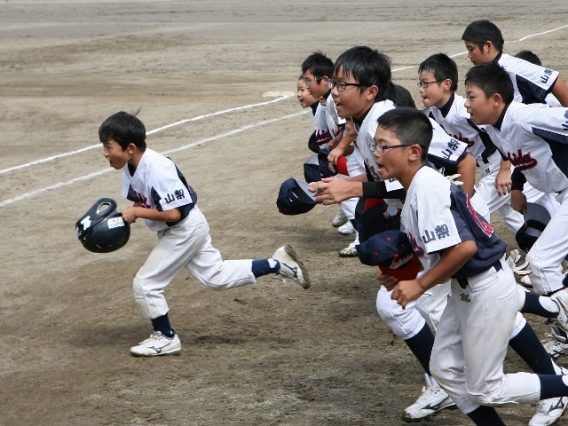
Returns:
<point x="268" y="354"/>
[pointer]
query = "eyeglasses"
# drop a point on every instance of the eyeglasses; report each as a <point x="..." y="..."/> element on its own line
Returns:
<point x="380" y="149"/>
<point x="425" y="84"/>
<point x="308" y="81"/>
<point x="341" y="86"/>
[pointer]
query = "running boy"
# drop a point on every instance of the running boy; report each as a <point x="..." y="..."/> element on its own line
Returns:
<point x="534" y="138"/>
<point x="453" y="241"/>
<point x="532" y="83"/>
<point x="168" y="204"/>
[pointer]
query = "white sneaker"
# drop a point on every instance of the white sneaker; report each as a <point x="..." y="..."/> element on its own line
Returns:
<point x="157" y="344"/>
<point x="351" y="249"/>
<point x="548" y="411"/>
<point x="290" y="266"/>
<point x="557" y="342"/>
<point x="432" y="400"/>
<point x="346" y="229"/>
<point x="561" y="299"/>
<point x="339" y="219"/>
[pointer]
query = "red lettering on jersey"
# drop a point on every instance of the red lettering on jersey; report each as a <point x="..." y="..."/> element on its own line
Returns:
<point x="522" y="161"/>
<point x="481" y="223"/>
<point x="143" y="201"/>
<point x="462" y="138"/>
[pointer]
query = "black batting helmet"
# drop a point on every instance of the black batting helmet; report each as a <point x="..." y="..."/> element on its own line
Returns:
<point x="102" y="229"/>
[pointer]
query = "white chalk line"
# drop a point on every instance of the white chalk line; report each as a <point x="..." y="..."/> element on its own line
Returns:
<point x="169" y="126"/>
<point x="181" y="148"/>
<point x="70" y="182"/>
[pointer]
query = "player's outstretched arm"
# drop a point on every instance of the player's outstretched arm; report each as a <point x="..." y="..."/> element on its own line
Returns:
<point x="451" y="261"/>
<point x="518" y="201"/>
<point x="335" y="190"/>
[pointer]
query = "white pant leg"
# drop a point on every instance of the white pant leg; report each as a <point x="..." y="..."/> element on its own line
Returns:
<point x="405" y="323"/>
<point x="549" y="250"/>
<point x="175" y="247"/>
<point x="432" y="303"/>
<point x="471" y="344"/>
<point x="187" y="244"/>
<point x="348" y="207"/>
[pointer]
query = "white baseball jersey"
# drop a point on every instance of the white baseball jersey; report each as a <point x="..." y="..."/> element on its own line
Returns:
<point x="532" y="82"/>
<point x="157" y="183"/>
<point x="455" y="120"/>
<point x="335" y="124"/>
<point x="323" y="135"/>
<point x="444" y="150"/>
<point x="535" y="139"/>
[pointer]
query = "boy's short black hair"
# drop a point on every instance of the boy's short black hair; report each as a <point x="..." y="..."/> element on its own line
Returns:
<point x="410" y="126"/>
<point x="482" y="31"/>
<point x="528" y="56"/>
<point x="318" y="64"/>
<point x="442" y="68"/>
<point x="368" y="67"/>
<point x="491" y="78"/>
<point x="124" y="128"/>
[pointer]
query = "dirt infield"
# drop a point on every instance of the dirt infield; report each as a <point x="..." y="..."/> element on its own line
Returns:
<point x="267" y="354"/>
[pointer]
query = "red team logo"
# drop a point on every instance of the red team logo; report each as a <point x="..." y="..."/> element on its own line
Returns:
<point x="522" y="161"/>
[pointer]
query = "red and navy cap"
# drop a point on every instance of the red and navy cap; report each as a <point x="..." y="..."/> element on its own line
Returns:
<point x="318" y="166"/>
<point x="294" y="197"/>
<point x="392" y="252"/>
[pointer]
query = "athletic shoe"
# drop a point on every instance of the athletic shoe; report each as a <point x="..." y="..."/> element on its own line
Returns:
<point x="157" y="344"/>
<point x="290" y="266"/>
<point x="561" y="299"/>
<point x="351" y="249"/>
<point x="432" y="400"/>
<point x="557" y="342"/>
<point x="346" y="229"/>
<point x="548" y="411"/>
<point x="339" y="219"/>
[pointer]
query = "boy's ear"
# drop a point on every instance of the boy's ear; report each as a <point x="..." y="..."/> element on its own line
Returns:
<point x="414" y="152"/>
<point x="497" y="99"/>
<point x="372" y="92"/>
<point x="488" y="47"/>
<point x="447" y="84"/>
<point x="131" y="148"/>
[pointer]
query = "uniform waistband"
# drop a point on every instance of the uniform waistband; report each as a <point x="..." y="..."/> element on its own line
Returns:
<point x="463" y="282"/>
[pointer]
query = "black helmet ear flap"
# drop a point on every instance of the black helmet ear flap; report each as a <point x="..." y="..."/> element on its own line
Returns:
<point x="102" y="229"/>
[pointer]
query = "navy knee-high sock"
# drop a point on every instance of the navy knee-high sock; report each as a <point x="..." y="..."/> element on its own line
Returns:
<point x="532" y="306"/>
<point x="529" y="348"/>
<point x="163" y="324"/>
<point x="552" y="387"/>
<point x="421" y="347"/>
<point x="486" y="416"/>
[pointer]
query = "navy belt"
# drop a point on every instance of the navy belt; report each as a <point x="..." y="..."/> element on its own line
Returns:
<point x="463" y="282"/>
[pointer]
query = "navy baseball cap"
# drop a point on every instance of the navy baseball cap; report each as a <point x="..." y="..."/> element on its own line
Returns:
<point x="327" y="168"/>
<point x="392" y="252"/>
<point x="294" y="197"/>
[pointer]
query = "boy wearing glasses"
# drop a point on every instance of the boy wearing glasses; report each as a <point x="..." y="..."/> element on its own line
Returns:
<point x="330" y="129"/>
<point x="437" y="82"/>
<point x="360" y="88"/>
<point x="453" y="241"/>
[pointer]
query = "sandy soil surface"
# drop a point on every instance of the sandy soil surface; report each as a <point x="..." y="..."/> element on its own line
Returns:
<point x="268" y="354"/>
